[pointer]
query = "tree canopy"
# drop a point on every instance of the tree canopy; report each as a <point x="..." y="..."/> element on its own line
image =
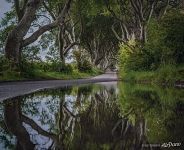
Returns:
<point x="103" y="33"/>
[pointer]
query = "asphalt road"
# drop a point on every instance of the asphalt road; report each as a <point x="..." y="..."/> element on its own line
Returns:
<point x="13" y="89"/>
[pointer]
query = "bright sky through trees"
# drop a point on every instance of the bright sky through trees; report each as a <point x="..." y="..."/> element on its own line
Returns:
<point x="4" y="7"/>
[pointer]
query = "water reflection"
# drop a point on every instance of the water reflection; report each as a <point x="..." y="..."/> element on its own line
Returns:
<point x="95" y="117"/>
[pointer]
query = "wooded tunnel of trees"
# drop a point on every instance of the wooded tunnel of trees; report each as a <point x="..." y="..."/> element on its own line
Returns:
<point x="142" y="39"/>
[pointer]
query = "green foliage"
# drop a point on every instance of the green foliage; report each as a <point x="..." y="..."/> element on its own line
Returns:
<point x="138" y="76"/>
<point x="3" y="35"/>
<point x="84" y="66"/>
<point x="9" y="19"/>
<point x="167" y="74"/>
<point x="4" y="64"/>
<point x="33" y="70"/>
<point x="163" y="52"/>
<point x="27" y="69"/>
<point x="155" y="48"/>
<point x="166" y="40"/>
<point x="66" y="68"/>
<point x="7" y="71"/>
<point x="173" y="23"/>
<point x="83" y="63"/>
<point x="133" y="58"/>
<point x="156" y="104"/>
<point x="56" y="66"/>
<point x="6" y="25"/>
<point x="31" y="53"/>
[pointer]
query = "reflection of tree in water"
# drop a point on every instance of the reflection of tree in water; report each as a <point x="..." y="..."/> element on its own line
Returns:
<point x="97" y="121"/>
<point x="154" y="111"/>
<point x="92" y="122"/>
<point x="4" y="133"/>
<point x="87" y="117"/>
<point x="64" y="119"/>
<point x="91" y="114"/>
<point x="13" y="121"/>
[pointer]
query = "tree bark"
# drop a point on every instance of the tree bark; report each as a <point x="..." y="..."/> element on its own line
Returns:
<point x="13" y="42"/>
<point x="61" y="44"/>
<point x="143" y="35"/>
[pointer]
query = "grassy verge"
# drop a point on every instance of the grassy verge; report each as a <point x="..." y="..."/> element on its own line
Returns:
<point x="41" y="75"/>
<point x="167" y="74"/>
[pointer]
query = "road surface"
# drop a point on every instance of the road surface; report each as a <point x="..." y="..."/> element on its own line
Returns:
<point x="13" y="89"/>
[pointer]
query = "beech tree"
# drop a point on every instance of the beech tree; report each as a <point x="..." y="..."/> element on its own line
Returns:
<point x="100" y="41"/>
<point x="96" y="36"/>
<point x="17" y="39"/>
<point x="65" y="36"/>
<point x="133" y="16"/>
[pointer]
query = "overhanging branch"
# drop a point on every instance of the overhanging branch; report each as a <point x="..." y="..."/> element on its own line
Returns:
<point x="36" y="127"/>
<point x="38" y="33"/>
<point x="59" y="21"/>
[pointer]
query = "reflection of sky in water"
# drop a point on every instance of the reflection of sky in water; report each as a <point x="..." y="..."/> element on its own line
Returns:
<point x="41" y="142"/>
<point x="10" y="139"/>
<point x="44" y="106"/>
<point x="104" y="114"/>
<point x="70" y="102"/>
<point x="44" y="111"/>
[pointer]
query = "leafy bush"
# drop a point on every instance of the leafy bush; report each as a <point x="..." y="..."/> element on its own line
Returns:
<point x="66" y="68"/>
<point x="27" y="68"/>
<point x="83" y="64"/>
<point x="133" y="58"/>
<point x="173" y="23"/>
<point x="4" y="64"/>
<point x="166" y="74"/>
<point x="7" y="72"/>
<point x="164" y="46"/>
<point x="165" y="39"/>
<point x="56" y="66"/>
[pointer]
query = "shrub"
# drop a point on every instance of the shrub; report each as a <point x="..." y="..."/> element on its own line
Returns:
<point x="133" y="58"/>
<point x="166" y="74"/>
<point x="4" y="64"/>
<point x="56" y="66"/>
<point x="66" y="68"/>
<point x="83" y="64"/>
<point x="164" y="46"/>
<point x="7" y="72"/>
<point x="27" y="68"/>
<point x="173" y="23"/>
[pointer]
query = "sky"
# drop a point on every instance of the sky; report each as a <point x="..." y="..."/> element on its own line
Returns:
<point x="4" y="7"/>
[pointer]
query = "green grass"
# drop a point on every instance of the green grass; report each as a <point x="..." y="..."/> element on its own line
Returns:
<point x="65" y="76"/>
<point x="167" y="74"/>
<point x="133" y="76"/>
<point x="11" y="75"/>
<point x="41" y="75"/>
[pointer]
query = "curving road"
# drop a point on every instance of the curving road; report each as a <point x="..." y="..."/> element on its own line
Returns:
<point x="13" y="89"/>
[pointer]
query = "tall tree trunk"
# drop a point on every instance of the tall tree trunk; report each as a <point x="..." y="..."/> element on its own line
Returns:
<point x="143" y="34"/>
<point x="15" y="37"/>
<point x="12" y="49"/>
<point x="61" y="44"/>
